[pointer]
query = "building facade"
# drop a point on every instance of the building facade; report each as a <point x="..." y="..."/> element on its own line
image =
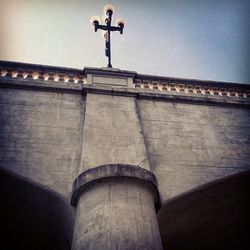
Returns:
<point x="112" y="159"/>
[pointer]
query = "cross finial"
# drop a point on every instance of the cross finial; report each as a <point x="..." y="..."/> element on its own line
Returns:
<point x="108" y="11"/>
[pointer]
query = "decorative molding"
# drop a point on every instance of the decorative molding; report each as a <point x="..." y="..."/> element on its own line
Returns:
<point x="187" y="87"/>
<point x="157" y="84"/>
<point x="44" y="73"/>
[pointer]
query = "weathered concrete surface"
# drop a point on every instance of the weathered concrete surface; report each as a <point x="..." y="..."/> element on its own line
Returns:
<point x="213" y="216"/>
<point x="116" y="213"/>
<point x="112" y="133"/>
<point x="189" y="145"/>
<point x="93" y="175"/>
<point x="40" y="136"/>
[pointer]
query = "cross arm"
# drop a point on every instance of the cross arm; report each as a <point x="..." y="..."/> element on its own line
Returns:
<point x="105" y="27"/>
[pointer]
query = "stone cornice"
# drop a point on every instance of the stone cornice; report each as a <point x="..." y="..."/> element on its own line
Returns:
<point x="192" y="86"/>
<point x="41" y="72"/>
<point x="31" y="76"/>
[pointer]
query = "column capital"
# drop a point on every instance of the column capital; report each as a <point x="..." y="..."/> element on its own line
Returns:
<point x="93" y="175"/>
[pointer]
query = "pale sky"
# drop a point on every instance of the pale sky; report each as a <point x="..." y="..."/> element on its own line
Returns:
<point x="201" y="39"/>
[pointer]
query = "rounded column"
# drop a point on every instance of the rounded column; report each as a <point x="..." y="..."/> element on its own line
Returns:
<point x="116" y="209"/>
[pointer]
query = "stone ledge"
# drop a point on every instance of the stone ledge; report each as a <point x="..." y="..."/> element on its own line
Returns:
<point x="156" y="95"/>
<point x="109" y="72"/>
<point x="40" y="85"/>
<point x="147" y="94"/>
<point x="102" y="172"/>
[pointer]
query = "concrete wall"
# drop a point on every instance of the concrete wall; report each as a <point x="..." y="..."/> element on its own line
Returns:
<point x="191" y="144"/>
<point x="47" y="137"/>
<point x="57" y="130"/>
<point x="40" y="136"/>
<point x="112" y="132"/>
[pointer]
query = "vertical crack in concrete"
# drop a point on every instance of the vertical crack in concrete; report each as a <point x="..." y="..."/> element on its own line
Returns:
<point x="138" y="111"/>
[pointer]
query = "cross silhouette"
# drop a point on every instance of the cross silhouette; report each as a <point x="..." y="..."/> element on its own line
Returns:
<point x="109" y="10"/>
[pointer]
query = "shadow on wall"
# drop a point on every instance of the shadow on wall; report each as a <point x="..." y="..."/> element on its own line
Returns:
<point x="33" y="217"/>
<point x="213" y="216"/>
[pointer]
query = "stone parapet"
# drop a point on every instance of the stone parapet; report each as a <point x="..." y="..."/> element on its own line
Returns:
<point x="116" y="78"/>
<point x="41" y="72"/>
<point x="192" y="86"/>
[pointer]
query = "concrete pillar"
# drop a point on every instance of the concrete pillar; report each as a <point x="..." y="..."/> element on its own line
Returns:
<point x="116" y="209"/>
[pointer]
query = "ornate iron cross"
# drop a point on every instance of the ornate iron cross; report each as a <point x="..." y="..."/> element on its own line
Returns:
<point x="108" y="10"/>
